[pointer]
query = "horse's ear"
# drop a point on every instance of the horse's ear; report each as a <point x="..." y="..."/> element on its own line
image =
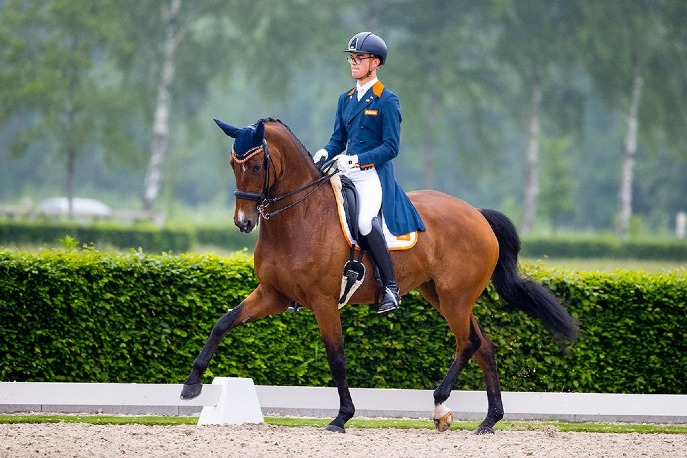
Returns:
<point x="259" y="133"/>
<point x="227" y="128"/>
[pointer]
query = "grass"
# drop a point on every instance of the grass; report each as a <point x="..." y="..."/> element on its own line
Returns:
<point x="622" y="428"/>
<point x="608" y="265"/>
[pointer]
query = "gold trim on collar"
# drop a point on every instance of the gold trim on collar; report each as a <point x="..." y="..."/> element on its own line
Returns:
<point x="378" y="88"/>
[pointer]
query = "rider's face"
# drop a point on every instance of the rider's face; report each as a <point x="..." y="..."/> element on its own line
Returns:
<point x="362" y="64"/>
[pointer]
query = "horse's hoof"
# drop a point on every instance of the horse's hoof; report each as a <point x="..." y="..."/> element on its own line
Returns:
<point x="191" y="391"/>
<point x="444" y="422"/>
<point x="335" y="429"/>
<point x="481" y="430"/>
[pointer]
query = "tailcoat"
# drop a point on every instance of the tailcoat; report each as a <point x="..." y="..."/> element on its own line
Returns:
<point x="371" y="129"/>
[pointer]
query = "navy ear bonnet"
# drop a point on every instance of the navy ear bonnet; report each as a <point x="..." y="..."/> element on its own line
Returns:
<point x="247" y="140"/>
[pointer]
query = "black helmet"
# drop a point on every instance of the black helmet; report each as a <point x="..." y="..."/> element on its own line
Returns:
<point x="368" y="42"/>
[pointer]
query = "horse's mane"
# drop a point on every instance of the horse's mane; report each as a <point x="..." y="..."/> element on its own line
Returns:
<point x="298" y="141"/>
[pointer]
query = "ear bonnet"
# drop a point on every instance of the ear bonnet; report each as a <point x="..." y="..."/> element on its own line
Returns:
<point x="248" y="139"/>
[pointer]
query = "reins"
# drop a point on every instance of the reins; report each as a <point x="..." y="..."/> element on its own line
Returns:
<point x="264" y="196"/>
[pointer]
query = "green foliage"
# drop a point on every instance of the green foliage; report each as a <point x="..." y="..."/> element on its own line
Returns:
<point x="147" y="238"/>
<point x="51" y="70"/>
<point x="86" y="316"/>
<point x="604" y="247"/>
<point x="228" y="238"/>
<point x="96" y="69"/>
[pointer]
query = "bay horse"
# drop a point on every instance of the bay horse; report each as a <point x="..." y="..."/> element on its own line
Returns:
<point x="301" y="251"/>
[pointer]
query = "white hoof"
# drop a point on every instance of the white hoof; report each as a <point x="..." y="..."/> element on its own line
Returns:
<point x="443" y="418"/>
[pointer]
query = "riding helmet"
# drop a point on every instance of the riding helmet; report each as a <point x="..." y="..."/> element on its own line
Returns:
<point x="368" y="42"/>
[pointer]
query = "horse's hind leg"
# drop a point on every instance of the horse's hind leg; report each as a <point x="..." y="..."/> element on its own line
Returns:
<point x="466" y="345"/>
<point x="458" y="313"/>
<point x="486" y="358"/>
<point x="262" y="302"/>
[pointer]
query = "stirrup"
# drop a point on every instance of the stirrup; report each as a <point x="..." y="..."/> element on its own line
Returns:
<point x="293" y="307"/>
<point x="390" y="302"/>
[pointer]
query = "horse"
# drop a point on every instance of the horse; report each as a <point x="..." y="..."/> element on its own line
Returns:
<point x="300" y="254"/>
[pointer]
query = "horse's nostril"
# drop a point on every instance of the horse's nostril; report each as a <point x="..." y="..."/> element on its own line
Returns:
<point x="244" y="225"/>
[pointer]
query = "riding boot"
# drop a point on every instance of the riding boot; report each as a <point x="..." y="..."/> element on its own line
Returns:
<point x="376" y="246"/>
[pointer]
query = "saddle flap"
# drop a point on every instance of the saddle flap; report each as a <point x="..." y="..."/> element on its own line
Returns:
<point x="350" y="204"/>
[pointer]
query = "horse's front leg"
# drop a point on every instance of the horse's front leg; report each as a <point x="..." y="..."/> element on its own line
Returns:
<point x="263" y="301"/>
<point x="329" y="322"/>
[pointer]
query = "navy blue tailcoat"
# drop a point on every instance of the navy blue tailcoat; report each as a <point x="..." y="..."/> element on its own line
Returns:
<point x="371" y="128"/>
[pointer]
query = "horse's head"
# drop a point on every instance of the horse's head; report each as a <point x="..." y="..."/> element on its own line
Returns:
<point x="257" y="158"/>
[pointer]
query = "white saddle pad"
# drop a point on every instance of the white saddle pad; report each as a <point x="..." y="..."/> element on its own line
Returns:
<point x="394" y="242"/>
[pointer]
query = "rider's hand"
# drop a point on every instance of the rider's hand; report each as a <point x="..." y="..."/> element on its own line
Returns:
<point x="319" y="155"/>
<point x="345" y="162"/>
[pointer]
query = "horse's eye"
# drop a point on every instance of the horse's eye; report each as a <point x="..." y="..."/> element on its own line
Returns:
<point x="256" y="168"/>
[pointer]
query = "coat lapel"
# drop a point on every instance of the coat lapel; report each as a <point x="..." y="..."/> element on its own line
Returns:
<point x="355" y="107"/>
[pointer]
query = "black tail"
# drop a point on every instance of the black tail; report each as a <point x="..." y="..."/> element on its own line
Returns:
<point x="526" y="295"/>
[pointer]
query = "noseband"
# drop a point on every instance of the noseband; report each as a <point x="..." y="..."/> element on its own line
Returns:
<point x="263" y="197"/>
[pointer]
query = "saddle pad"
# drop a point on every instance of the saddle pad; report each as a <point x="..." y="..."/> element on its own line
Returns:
<point x="401" y="242"/>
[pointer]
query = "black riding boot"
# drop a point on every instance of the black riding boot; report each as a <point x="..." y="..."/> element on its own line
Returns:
<point x="376" y="246"/>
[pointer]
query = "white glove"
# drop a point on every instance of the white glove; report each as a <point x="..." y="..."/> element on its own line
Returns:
<point x="319" y="155"/>
<point x="345" y="162"/>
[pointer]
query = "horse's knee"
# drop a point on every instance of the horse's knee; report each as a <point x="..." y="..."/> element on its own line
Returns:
<point x="226" y="322"/>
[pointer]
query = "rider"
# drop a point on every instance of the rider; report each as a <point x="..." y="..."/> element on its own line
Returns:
<point x="368" y="129"/>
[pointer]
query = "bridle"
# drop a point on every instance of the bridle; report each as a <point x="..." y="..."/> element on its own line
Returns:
<point x="263" y="197"/>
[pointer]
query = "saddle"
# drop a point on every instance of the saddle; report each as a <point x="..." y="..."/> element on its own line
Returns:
<point x="354" y="269"/>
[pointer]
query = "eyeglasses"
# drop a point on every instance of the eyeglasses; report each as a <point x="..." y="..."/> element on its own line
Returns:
<point x="358" y="59"/>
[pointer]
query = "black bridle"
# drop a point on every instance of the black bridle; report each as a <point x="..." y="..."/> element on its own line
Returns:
<point x="264" y="196"/>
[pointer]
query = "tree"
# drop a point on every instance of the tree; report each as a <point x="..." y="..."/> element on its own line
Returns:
<point x="636" y="55"/>
<point x="442" y="66"/>
<point x="158" y="29"/>
<point x="558" y="186"/>
<point x="49" y="61"/>
<point x="534" y="40"/>
<point x="182" y="46"/>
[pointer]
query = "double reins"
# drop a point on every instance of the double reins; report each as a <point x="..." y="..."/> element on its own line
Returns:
<point x="264" y="196"/>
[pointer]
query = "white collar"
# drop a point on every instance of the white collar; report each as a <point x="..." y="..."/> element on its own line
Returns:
<point x="365" y="87"/>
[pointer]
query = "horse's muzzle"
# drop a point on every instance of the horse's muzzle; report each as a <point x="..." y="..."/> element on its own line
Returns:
<point x="245" y="226"/>
<point x="245" y="220"/>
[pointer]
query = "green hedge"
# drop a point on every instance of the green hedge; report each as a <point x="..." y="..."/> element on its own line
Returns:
<point x="149" y="238"/>
<point x="604" y="247"/>
<point x="86" y="316"/>
<point x="229" y="238"/>
<point x="111" y="235"/>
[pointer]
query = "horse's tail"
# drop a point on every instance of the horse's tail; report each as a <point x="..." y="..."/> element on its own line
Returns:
<point x="526" y="295"/>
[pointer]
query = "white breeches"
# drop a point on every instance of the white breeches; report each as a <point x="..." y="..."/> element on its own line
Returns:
<point x="370" y="196"/>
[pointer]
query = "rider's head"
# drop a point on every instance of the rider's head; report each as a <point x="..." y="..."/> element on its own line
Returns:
<point x="367" y="53"/>
<point x="367" y="43"/>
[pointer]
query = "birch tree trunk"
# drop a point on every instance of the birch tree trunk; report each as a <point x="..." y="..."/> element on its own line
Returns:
<point x="159" y="144"/>
<point x="629" y="153"/>
<point x="532" y="172"/>
<point x="429" y="152"/>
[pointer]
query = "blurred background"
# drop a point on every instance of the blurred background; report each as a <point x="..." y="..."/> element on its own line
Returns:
<point x="568" y="115"/>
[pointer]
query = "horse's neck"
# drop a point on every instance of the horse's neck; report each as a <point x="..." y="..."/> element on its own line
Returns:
<point x="297" y="170"/>
<point x="305" y="219"/>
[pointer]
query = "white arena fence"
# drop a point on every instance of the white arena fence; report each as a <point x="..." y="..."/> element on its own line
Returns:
<point x="230" y="400"/>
